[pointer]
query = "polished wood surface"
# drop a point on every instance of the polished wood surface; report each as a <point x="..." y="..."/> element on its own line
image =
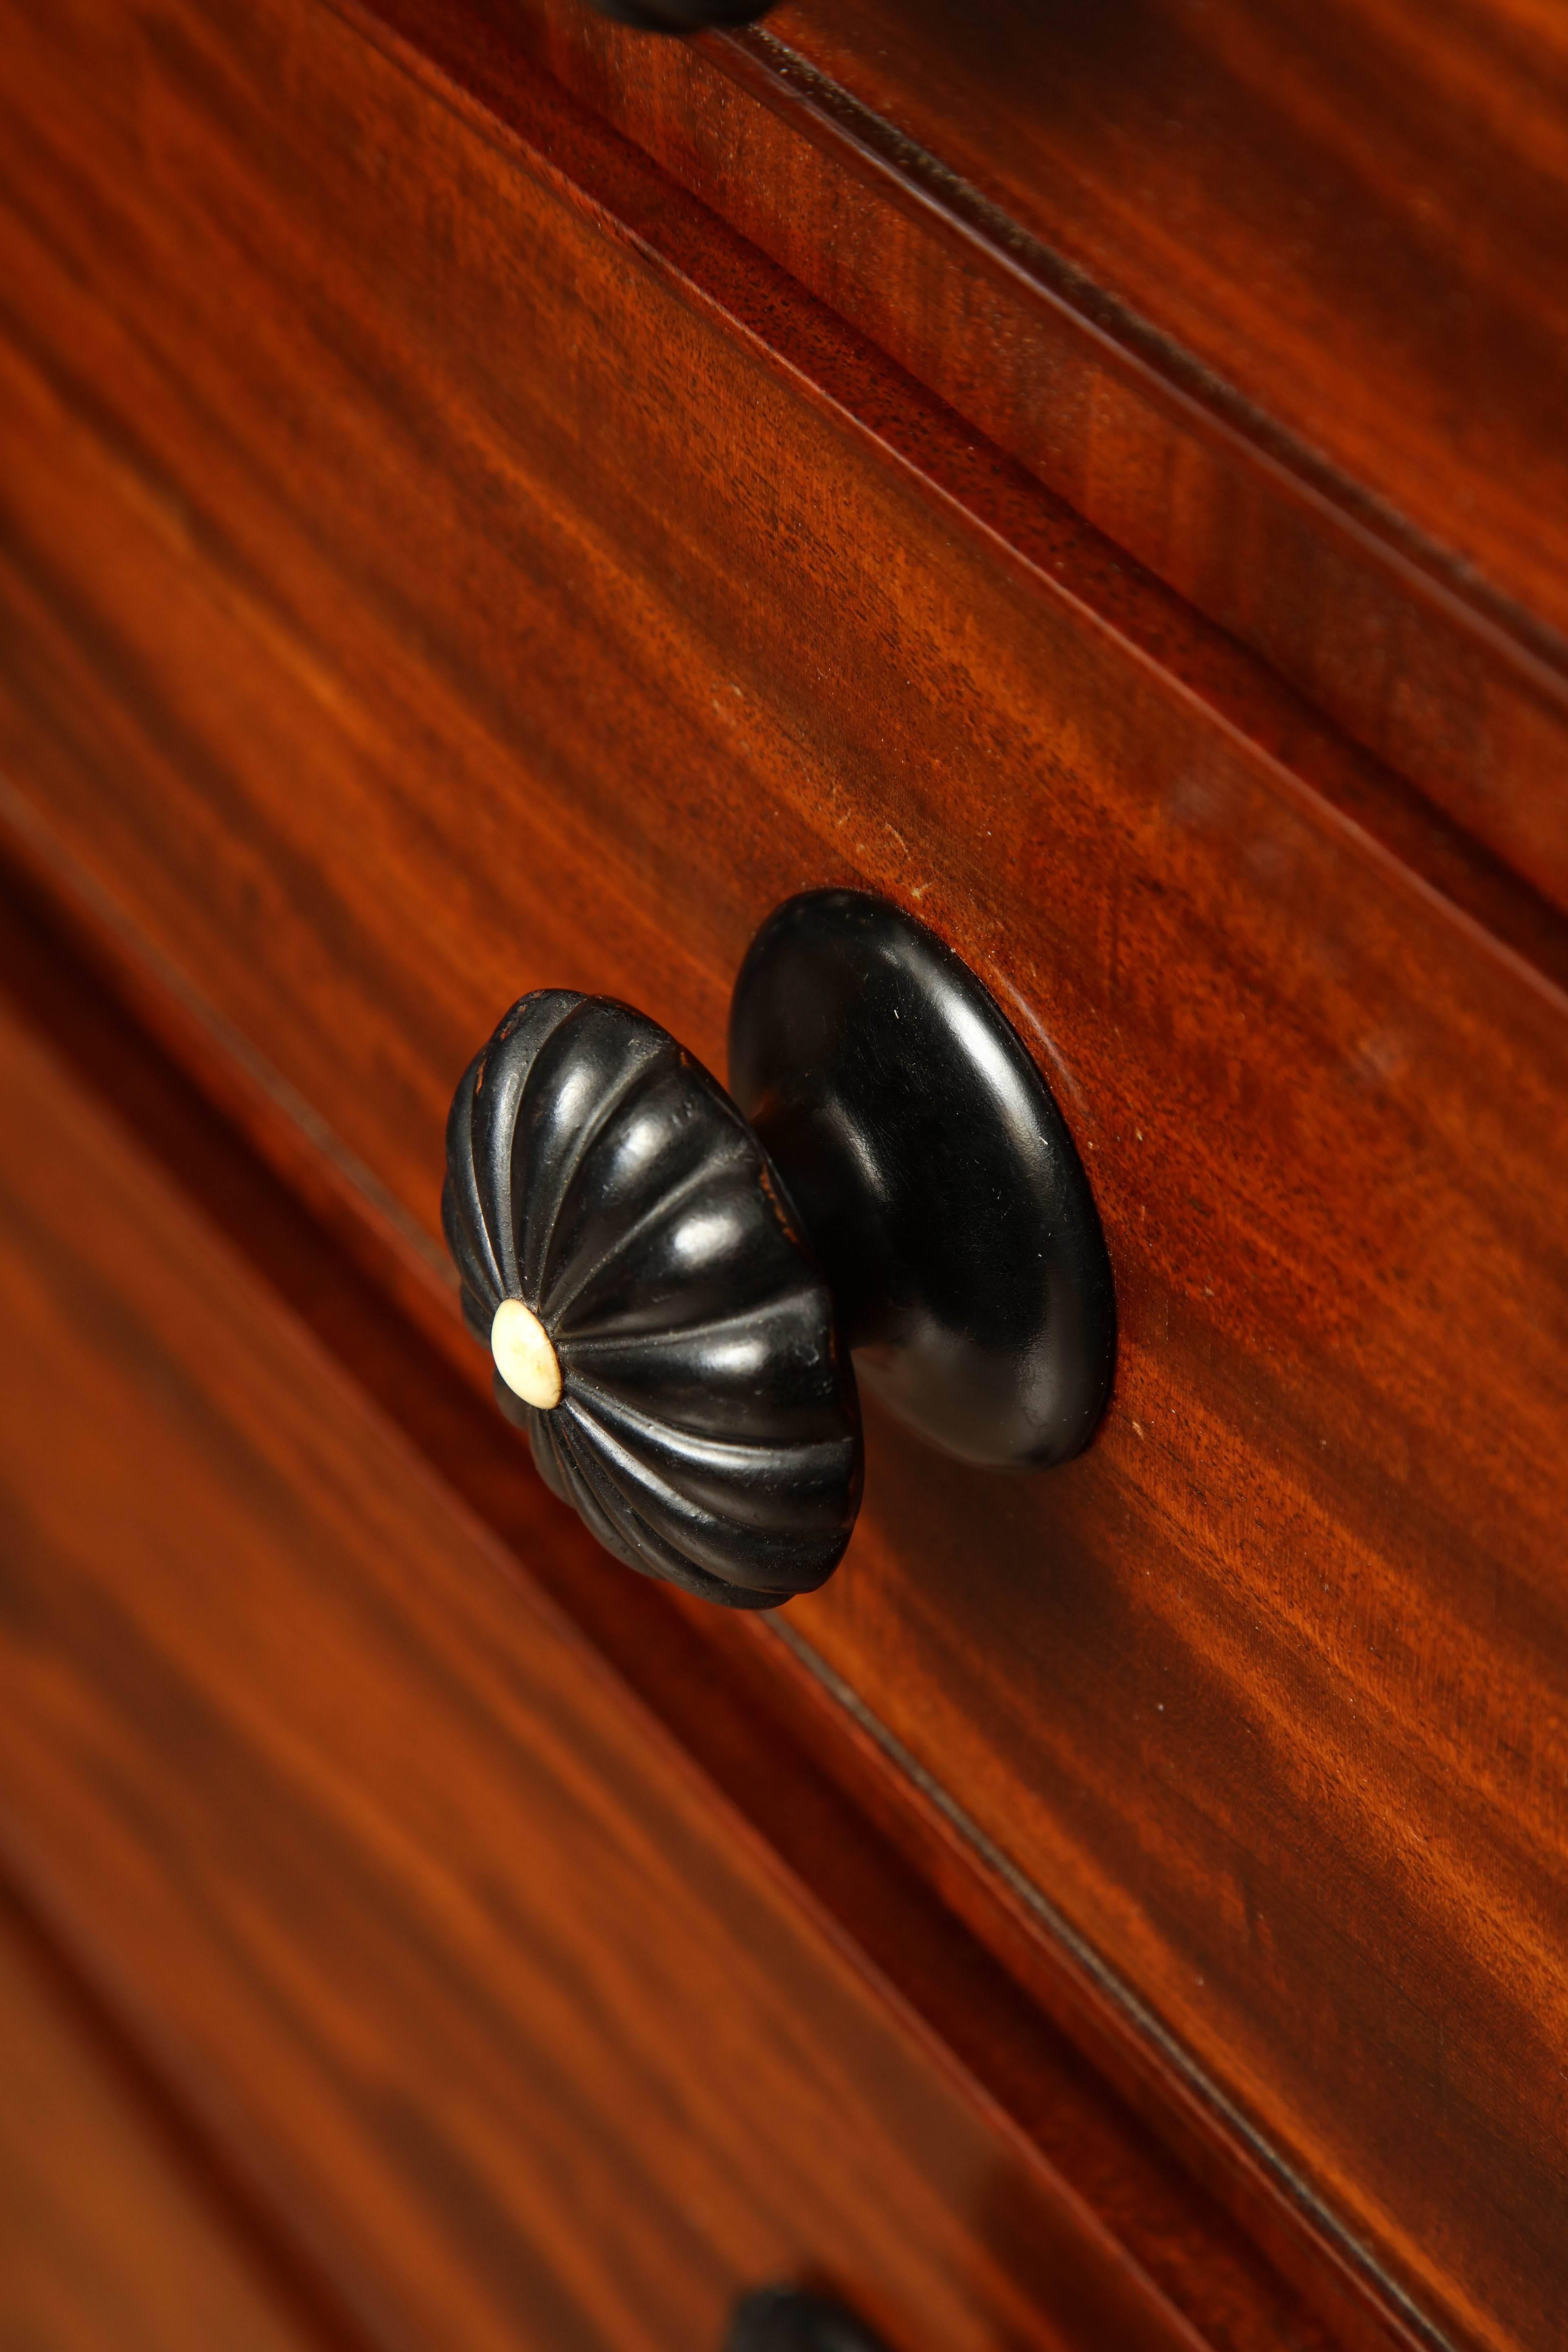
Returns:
<point x="107" y="2243"/>
<point x="1353" y="221"/>
<point x="491" y="1999"/>
<point x="790" y="1760"/>
<point x="444" y="563"/>
<point x="1274" y="301"/>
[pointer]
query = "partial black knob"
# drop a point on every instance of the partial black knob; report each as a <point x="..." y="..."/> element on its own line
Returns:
<point x="683" y="16"/>
<point x="783" y="2319"/>
<point x="671" y="1282"/>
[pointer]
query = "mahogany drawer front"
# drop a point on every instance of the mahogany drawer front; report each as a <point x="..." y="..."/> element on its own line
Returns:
<point x="1272" y="300"/>
<point x="487" y="1998"/>
<point x="444" y="564"/>
<point x="1281" y="201"/>
<point x="108" y="2240"/>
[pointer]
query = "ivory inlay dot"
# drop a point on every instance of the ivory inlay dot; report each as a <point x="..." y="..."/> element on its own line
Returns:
<point x="524" y="1357"/>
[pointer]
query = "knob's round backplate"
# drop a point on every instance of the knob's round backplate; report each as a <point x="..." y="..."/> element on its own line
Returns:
<point x="935" y="1174"/>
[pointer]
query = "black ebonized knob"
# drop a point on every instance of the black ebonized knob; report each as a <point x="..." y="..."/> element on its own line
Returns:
<point x="783" y="2319"/>
<point x="671" y="1280"/>
<point x="683" y="15"/>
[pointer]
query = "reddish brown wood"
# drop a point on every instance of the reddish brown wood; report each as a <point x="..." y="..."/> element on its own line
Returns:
<point x="442" y="563"/>
<point x="762" y="1731"/>
<point x="518" y="2029"/>
<point x="1274" y="299"/>
<point x="1353" y="221"/>
<point x="107" y="2243"/>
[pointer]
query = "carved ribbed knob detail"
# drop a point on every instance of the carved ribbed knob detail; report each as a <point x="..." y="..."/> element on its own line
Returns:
<point x="659" y="1325"/>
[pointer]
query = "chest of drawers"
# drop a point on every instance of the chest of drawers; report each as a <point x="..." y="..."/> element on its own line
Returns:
<point x="493" y="501"/>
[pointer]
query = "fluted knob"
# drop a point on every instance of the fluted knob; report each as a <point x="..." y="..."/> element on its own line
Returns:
<point x="670" y="1290"/>
<point x="660" y="1326"/>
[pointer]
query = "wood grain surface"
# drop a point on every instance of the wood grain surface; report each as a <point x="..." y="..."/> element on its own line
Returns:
<point x="1353" y="221"/>
<point x="444" y="564"/>
<point x="1274" y="301"/>
<point x="522" y="2034"/>
<point x="790" y="1760"/>
<point x="107" y="2241"/>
